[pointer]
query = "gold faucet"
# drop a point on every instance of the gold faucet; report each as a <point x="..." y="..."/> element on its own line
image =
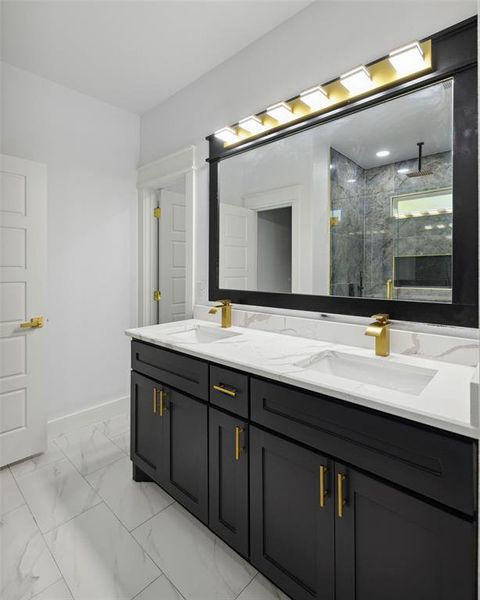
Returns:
<point x="380" y="330"/>
<point x="226" y="307"/>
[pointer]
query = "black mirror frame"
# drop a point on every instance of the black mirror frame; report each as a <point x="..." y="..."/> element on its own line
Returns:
<point x="455" y="55"/>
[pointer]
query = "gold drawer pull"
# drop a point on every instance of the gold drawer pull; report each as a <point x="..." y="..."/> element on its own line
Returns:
<point x="225" y="390"/>
<point x="340" y="494"/>
<point x="163" y="408"/>
<point x="323" y="490"/>
<point x="154" y="400"/>
<point x="238" y="432"/>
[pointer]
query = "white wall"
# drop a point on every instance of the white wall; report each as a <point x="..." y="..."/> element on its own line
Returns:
<point x="91" y="151"/>
<point x="319" y="43"/>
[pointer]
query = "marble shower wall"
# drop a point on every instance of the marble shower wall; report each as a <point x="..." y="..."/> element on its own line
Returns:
<point x="365" y="241"/>
<point x="347" y="200"/>
<point x="386" y="237"/>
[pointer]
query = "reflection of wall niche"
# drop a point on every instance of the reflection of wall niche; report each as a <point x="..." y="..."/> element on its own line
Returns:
<point x="386" y="215"/>
<point x="423" y="271"/>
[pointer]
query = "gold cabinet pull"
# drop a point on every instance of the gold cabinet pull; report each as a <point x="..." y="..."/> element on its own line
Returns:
<point x="34" y="323"/>
<point x="154" y="400"/>
<point x="225" y="390"/>
<point x="340" y="494"/>
<point x="323" y="489"/>
<point x="238" y="432"/>
<point x="163" y="408"/>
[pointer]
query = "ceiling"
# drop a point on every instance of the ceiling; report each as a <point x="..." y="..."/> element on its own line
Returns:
<point x="132" y="53"/>
<point x="396" y="126"/>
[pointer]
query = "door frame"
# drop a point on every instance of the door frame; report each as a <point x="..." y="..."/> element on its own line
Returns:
<point x="284" y="197"/>
<point x="150" y="178"/>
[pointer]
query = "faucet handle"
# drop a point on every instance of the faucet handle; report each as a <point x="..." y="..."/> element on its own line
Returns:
<point x="382" y="318"/>
<point x="225" y="302"/>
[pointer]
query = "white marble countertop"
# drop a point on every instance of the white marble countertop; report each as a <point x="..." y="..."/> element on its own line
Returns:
<point x="445" y="402"/>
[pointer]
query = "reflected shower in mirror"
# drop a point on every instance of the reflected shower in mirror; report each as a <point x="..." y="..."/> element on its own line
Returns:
<point x="360" y="206"/>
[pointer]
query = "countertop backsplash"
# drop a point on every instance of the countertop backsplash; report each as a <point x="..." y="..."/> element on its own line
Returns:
<point x="449" y="346"/>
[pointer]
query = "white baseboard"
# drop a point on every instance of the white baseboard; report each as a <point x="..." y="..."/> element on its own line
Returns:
<point x="87" y="416"/>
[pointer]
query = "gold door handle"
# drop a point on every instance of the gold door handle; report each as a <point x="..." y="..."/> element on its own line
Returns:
<point x="163" y="408"/>
<point x="154" y="400"/>
<point x="238" y="432"/>
<point x="225" y="390"/>
<point x="34" y="323"/>
<point x="323" y="489"/>
<point x="340" y="494"/>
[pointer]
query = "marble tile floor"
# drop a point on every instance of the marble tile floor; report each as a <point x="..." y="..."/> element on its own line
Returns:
<point x="75" y="526"/>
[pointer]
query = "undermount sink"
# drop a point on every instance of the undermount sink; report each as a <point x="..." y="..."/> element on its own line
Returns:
<point x="202" y="335"/>
<point x="374" y="371"/>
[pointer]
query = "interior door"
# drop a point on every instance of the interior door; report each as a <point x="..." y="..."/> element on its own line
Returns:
<point x="238" y="247"/>
<point x="389" y="544"/>
<point x="23" y="205"/>
<point x="172" y="255"/>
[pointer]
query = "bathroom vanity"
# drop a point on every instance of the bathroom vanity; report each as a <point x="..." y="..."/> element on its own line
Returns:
<point x="260" y="437"/>
<point x="337" y="473"/>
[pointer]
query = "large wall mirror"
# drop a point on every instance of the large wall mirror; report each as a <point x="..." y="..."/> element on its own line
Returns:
<point x="371" y="206"/>
<point x="346" y="209"/>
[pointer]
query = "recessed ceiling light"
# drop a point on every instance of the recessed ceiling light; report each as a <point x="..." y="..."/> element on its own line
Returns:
<point x="440" y="226"/>
<point x="227" y="134"/>
<point x="316" y="98"/>
<point x="281" y="112"/>
<point x="252" y="124"/>
<point x="357" y="81"/>
<point x="382" y="153"/>
<point x="351" y="180"/>
<point x="402" y="171"/>
<point x="407" y="59"/>
<point x="428" y="227"/>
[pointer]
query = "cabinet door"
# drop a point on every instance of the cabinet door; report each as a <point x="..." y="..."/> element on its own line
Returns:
<point x="292" y="516"/>
<point x="228" y="460"/>
<point x="184" y="451"/>
<point x="392" y="545"/>
<point x="146" y="425"/>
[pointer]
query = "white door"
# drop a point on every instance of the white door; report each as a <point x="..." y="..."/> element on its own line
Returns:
<point x="171" y="259"/>
<point x="238" y="247"/>
<point x="23" y="219"/>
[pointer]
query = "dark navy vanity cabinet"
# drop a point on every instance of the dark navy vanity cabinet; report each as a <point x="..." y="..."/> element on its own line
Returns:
<point x="327" y="499"/>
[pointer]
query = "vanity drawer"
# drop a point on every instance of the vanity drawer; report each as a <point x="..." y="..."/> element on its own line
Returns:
<point x="229" y="390"/>
<point x="182" y="372"/>
<point x="435" y="464"/>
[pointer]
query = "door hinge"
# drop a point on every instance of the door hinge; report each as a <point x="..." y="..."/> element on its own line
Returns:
<point x="157" y="295"/>
<point x="157" y="212"/>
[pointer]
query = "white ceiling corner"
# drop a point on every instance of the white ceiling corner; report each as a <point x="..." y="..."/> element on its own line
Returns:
<point x="133" y="54"/>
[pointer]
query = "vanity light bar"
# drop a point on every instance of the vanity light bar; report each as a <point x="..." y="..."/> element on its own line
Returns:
<point x="408" y="59"/>
<point x="227" y="134"/>
<point x="400" y="63"/>
<point x="281" y="112"/>
<point x="315" y="98"/>
<point x="357" y="81"/>
<point x="252" y="124"/>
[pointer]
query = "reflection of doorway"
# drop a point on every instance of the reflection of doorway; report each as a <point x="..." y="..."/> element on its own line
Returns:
<point x="273" y="201"/>
<point x="274" y="250"/>
<point x="238" y="243"/>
